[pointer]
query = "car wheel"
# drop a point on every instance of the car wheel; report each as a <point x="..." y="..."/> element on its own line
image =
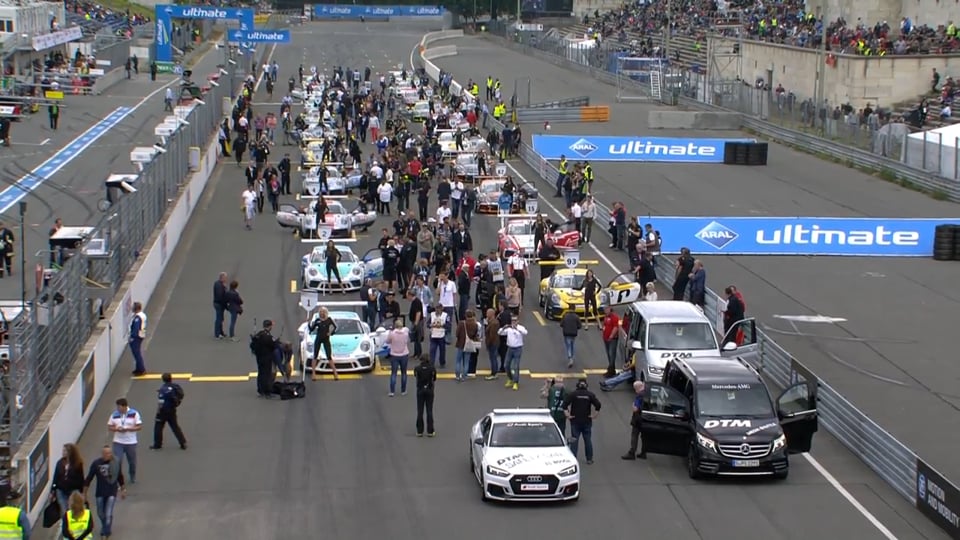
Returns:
<point x="692" y="464"/>
<point x="540" y="300"/>
<point x="483" y="490"/>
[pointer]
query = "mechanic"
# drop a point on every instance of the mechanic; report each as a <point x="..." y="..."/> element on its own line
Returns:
<point x="263" y="345"/>
<point x="425" y="375"/>
<point x="550" y="254"/>
<point x="581" y="407"/>
<point x="636" y="420"/>
<point x="514" y="334"/>
<point x="570" y="325"/>
<point x="555" y="392"/>
<point x="169" y="398"/>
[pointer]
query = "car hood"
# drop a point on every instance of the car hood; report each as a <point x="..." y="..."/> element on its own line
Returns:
<point x="530" y="460"/>
<point x="660" y="357"/>
<point x="344" y="268"/>
<point x="523" y="241"/>
<point x="569" y="294"/>
<point x="343" y="345"/>
<point x="747" y="430"/>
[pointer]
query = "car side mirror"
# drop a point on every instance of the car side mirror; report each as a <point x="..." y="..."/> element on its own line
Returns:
<point x="682" y="414"/>
<point x="729" y="346"/>
<point x="478" y="441"/>
<point x="636" y="345"/>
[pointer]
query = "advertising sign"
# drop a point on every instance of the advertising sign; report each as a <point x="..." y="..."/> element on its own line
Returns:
<point x="651" y="149"/>
<point x="857" y="237"/>
<point x="39" y="463"/>
<point x="340" y="11"/>
<point x="88" y="387"/>
<point x="260" y="36"/>
<point x="46" y="41"/>
<point x="165" y="13"/>
<point x="936" y="499"/>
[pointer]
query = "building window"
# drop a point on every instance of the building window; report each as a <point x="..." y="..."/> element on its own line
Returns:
<point x="6" y="25"/>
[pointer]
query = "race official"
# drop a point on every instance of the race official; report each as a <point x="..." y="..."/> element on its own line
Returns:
<point x="636" y="420"/>
<point x="14" y="522"/>
<point x="77" y="522"/>
<point x="138" y="333"/>
<point x="169" y="397"/>
<point x="426" y="377"/>
<point x="581" y="407"/>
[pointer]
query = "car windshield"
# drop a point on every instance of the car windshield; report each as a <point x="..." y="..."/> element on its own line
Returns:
<point x="695" y="336"/>
<point x="733" y="400"/>
<point x="346" y="256"/>
<point x="336" y="208"/>
<point x="491" y="187"/>
<point x="520" y="227"/>
<point x="348" y="327"/>
<point x="526" y="435"/>
<point x="567" y="281"/>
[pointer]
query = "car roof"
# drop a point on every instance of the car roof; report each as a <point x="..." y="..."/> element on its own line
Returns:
<point x="345" y="315"/>
<point x="670" y="311"/>
<point x="717" y="369"/>
<point x="507" y="416"/>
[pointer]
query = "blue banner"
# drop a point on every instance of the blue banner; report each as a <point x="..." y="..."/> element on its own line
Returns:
<point x="341" y="11"/>
<point x="165" y="13"/>
<point x="605" y="148"/>
<point x="857" y="237"/>
<point x="260" y="36"/>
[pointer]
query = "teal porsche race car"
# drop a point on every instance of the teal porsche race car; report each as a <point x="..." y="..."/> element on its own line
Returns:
<point x="354" y="345"/>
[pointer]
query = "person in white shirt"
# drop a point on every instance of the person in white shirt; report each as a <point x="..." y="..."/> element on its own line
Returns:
<point x="439" y="322"/>
<point x="249" y="207"/>
<point x="124" y="423"/>
<point x="376" y="171"/>
<point x="385" y="193"/>
<point x="514" y="334"/>
<point x="456" y="197"/>
<point x="651" y="294"/>
<point x="576" y="214"/>
<point x="444" y="212"/>
<point x="518" y="271"/>
<point x="589" y="213"/>
<point x="446" y="296"/>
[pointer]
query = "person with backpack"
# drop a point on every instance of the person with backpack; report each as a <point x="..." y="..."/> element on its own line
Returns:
<point x="169" y="397"/>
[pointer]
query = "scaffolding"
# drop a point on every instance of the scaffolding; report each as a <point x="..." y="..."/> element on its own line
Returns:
<point x="639" y="79"/>
<point x="725" y="60"/>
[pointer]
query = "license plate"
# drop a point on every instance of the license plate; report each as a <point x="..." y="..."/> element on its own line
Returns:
<point x="746" y="463"/>
<point x="534" y="487"/>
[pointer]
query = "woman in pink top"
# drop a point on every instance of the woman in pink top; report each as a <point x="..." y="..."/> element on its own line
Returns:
<point x="271" y="126"/>
<point x="398" y="343"/>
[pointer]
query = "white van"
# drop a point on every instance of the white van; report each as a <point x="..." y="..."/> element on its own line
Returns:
<point x="659" y="331"/>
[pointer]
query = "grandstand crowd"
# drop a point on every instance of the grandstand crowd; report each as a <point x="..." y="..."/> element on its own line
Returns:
<point x="93" y="17"/>
<point x="783" y="22"/>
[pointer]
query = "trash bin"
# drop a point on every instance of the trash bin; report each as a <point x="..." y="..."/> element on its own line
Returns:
<point x="531" y="204"/>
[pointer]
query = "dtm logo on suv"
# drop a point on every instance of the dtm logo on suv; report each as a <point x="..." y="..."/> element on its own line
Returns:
<point x="583" y="148"/>
<point x="717" y="235"/>
<point x="709" y="424"/>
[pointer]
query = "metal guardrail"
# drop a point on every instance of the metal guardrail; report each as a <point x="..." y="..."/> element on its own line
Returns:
<point x="45" y="339"/>
<point x="558" y="114"/>
<point x="581" y="101"/>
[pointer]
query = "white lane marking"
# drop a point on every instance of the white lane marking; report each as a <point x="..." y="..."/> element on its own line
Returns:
<point x="811" y="318"/>
<point x="45" y="141"/>
<point x="810" y="459"/>
<point x="850" y="498"/>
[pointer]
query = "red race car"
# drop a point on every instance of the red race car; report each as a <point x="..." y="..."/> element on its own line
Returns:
<point x="517" y="235"/>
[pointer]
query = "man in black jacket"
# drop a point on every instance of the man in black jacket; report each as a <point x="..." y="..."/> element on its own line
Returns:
<point x="549" y="253"/>
<point x="426" y="377"/>
<point x="264" y="347"/>
<point x="219" y="305"/>
<point x="582" y="406"/>
<point x="284" y="167"/>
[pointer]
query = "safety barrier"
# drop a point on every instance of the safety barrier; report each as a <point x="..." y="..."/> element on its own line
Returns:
<point x="563" y="114"/>
<point x="581" y="101"/>
<point x="595" y="113"/>
<point x="889" y="458"/>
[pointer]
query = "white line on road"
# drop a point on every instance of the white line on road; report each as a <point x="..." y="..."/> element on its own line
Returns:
<point x="811" y="318"/>
<point x="810" y="459"/>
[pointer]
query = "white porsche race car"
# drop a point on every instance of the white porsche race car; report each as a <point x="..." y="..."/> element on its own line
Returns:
<point x="338" y="182"/>
<point x="521" y="455"/>
<point x="343" y="222"/>
<point x="353" y="345"/>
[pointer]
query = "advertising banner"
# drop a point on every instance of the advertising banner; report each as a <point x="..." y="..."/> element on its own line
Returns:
<point x="651" y="149"/>
<point x="857" y="237"/>
<point x="343" y="11"/>
<point x="936" y="499"/>
<point x="260" y="36"/>
<point x="39" y="463"/>
<point x="165" y="13"/>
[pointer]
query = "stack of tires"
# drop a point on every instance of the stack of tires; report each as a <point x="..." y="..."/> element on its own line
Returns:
<point x="946" y="243"/>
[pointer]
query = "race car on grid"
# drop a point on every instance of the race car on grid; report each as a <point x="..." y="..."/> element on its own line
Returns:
<point x="354" y="345"/>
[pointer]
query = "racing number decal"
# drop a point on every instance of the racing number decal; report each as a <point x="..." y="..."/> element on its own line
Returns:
<point x="572" y="258"/>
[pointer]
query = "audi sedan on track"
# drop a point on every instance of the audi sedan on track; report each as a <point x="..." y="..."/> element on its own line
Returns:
<point x="521" y="455"/>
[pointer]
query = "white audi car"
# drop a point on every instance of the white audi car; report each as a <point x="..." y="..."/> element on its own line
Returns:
<point x="521" y="455"/>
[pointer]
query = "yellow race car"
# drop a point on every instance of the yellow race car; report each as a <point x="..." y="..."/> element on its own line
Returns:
<point x="560" y="293"/>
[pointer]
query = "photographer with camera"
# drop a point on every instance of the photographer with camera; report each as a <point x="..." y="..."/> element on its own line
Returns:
<point x="264" y="346"/>
<point x="581" y="407"/>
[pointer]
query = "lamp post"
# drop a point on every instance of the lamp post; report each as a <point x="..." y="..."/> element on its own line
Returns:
<point x="23" y="256"/>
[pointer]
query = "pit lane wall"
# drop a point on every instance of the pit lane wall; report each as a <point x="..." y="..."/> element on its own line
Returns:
<point x="934" y="495"/>
<point x="701" y="121"/>
<point x="83" y="386"/>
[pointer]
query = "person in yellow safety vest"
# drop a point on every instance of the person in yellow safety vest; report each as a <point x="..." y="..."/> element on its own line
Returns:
<point x="588" y="175"/>
<point x="951" y="30"/>
<point x="14" y="522"/>
<point x="77" y="523"/>
<point x="489" y="88"/>
<point x="561" y="175"/>
<point x="499" y="110"/>
<point x="475" y="90"/>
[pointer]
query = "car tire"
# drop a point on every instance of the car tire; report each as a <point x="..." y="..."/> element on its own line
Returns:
<point x="483" y="489"/>
<point x="540" y="300"/>
<point x="692" y="469"/>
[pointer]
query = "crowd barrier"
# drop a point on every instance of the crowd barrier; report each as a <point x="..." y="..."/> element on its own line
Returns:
<point x="889" y="458"/>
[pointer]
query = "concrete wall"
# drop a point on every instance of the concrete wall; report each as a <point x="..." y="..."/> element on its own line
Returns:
<point x="855" y="79"/>
<point x="589" y="6"/>
<point x="930" y="12"/>
<point x="670" y="119"/>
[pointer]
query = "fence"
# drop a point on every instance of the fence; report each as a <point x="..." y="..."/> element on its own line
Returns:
<point x="46" y="337"/>
<point x="879" y="450"/>
<point x="890" y="152"/>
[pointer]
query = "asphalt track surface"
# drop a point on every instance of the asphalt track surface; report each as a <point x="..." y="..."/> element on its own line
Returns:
<point x="344" y="463"/>
<point x="893" y="357"/>
<point x="72" y="193"/>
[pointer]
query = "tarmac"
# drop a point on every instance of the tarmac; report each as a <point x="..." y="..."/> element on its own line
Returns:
<point x="893" y="356"/>
<point x="72" y="193"/>
<point x="344" y="462"/>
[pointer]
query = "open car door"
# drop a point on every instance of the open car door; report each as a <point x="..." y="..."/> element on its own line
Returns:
<point x="373" y="263"/>
<point x="741" y="341"/>
<point x="797" y="410"/>
<point x="621" y="290"/>
<point x="665" y="425"/>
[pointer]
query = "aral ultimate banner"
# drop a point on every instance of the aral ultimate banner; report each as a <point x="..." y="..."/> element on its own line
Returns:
<point x="653" y="149"/>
